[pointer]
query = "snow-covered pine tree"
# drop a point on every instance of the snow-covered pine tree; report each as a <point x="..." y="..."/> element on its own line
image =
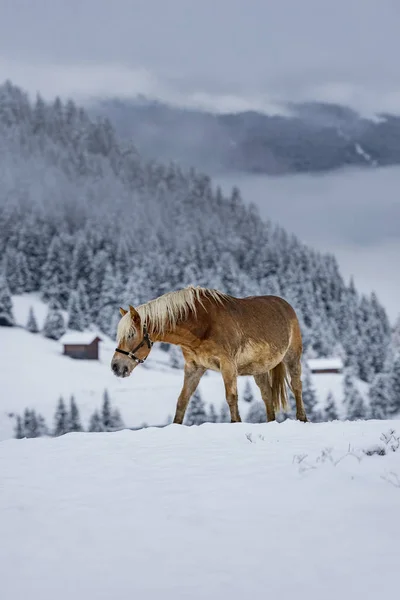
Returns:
<point x="24" y="277"/>
<point x="31" y="324"/>
<point x="248" y="392"/>
<point x="54" y="326"/>
<point x="108" y="303"/>
<point x="106" y="414"/>
<point x="395" y="384"/>
<point x="74" y="421"/>
<point x="75" y="317"/>
<point x="225" y="414"/>
<point x="212" y="416"/>
<point x="81" y="264"/>
<point x="309" y="395"/>
<point x="78" y="309"/>
<point x="330" y="410"/>
<point x="84" y="304"/>
<point x="116" y="420"/>
<point x="41" y="426"/>
<point x="196" y="413"/>
<point x="381" y="396"/>
<point x="355" y="407"/>
<point x="30" y="426"/>
<point x="396" y="336"/>
<point x="6" y="312"/>
<point x="55" y="273"/>
<point x="256" y="413"/>
<point x="96" y="422"/>
<point x="19" y="428"/>
<point x="61" y="420"/>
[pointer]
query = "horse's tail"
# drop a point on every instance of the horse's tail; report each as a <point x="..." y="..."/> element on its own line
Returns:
<point x="278" y="386"/>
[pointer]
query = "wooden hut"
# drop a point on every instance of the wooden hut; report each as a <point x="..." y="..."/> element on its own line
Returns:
<point x="325" y="365"/>
<point x="84" y="345"/>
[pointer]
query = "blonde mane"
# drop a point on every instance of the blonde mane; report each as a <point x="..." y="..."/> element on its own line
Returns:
<point x="167" y="310"/>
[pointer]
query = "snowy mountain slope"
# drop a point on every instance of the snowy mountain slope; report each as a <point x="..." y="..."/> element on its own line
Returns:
<point x="201" y="512"/>
<point x="34" y="373"/>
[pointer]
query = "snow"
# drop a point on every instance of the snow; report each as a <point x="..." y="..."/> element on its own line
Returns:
<point x="325" y="363"/>
<point x="79" y="337"/>
<point x="361" y="152"/>
<point x="217" y="511"/>
<point x="34" y="373"/>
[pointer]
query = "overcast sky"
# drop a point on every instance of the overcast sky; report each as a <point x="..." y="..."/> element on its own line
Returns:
<point x="221" y="54"/>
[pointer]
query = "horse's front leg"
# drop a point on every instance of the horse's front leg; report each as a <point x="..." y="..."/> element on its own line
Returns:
<point x="229" y="375"/>
<point x="193" y="374"/>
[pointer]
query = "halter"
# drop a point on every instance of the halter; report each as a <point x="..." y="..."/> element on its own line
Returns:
<point x="146" y="340"/>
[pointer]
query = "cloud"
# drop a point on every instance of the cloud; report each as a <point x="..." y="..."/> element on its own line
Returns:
<point x="219" y="54"/>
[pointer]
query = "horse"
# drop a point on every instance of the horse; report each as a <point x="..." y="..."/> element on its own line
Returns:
<point x="257" y="336"/>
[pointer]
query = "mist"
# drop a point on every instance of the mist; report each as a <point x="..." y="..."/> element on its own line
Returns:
<point x="354" y="214"/>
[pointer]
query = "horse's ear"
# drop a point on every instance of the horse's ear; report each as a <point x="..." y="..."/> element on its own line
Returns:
<point x="122" y="311"/>
<point x="134" y="314"/>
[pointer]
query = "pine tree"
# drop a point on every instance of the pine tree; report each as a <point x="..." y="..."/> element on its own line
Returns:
<point x="330" y="411"/>
<point x="248" y="393"/>
<point x="256" y="413"/>
<point x="395" y="384"/>
<point x="116" y="420"/>
<point x="54" y="327"/>
<point x="75" y="318"/>
<point x="225" y="414"/>
<point x="74" y="422"/>
<point x="83" y="304"/>
<point x="309" y="395"/>
<point x="24" y="277"/>
<point x="32" y="325"/>
<point x="31" y="428"/>
<point x="212" y="416"/>
<point x="96" y="422"/>
<point x="6" y="313"/>
<point x="355" y="407"/>
<point x="109" y="301"/>
<point x="106" y="412"/>
<point x="396" y="335"/>
<point x="81" y="264"/>
<point x="41" y="426"/>
<point x="381" y="396"/>
<point x="55" y="273"/>
<point x="19" y="429"/>
<point x="196" y="412"/>
<point x="61" y="421"/>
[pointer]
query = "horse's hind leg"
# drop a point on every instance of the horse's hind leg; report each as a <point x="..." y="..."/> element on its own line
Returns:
<point x="264" y="384"/>
<point x="229" y="375"/>
<point x="293" y="365"/>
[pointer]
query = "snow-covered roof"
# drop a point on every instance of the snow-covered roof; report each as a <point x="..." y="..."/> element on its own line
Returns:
<point x="320" y="364"/>
<point x="79" y="337"/>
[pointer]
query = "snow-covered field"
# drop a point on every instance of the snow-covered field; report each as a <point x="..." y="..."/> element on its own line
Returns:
<point x="34" y="373"/>
<point x="216" y="511"/>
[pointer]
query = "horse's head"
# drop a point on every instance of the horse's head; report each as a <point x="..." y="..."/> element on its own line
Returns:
<point x="133" y="341"/>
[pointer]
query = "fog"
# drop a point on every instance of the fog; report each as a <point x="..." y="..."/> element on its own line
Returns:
<point x="354" y="214"/>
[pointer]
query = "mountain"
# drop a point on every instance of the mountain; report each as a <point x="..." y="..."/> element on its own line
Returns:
<point x="310" y="137"/>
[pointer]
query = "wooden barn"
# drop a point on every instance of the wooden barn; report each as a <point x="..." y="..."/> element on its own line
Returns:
<point x="325" y="365"/>
<point x="83" y="345"/>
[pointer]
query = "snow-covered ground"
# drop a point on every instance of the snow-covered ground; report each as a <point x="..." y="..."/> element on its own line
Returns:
<point x="216" y="511"/>
<point x="34" y="373"/>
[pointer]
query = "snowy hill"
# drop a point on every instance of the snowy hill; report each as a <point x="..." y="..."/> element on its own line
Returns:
<point x="216" y="511"/>
<point x="148" y="396"/>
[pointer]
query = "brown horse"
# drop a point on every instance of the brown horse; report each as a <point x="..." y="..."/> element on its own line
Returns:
<point x="258" y="336"/>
